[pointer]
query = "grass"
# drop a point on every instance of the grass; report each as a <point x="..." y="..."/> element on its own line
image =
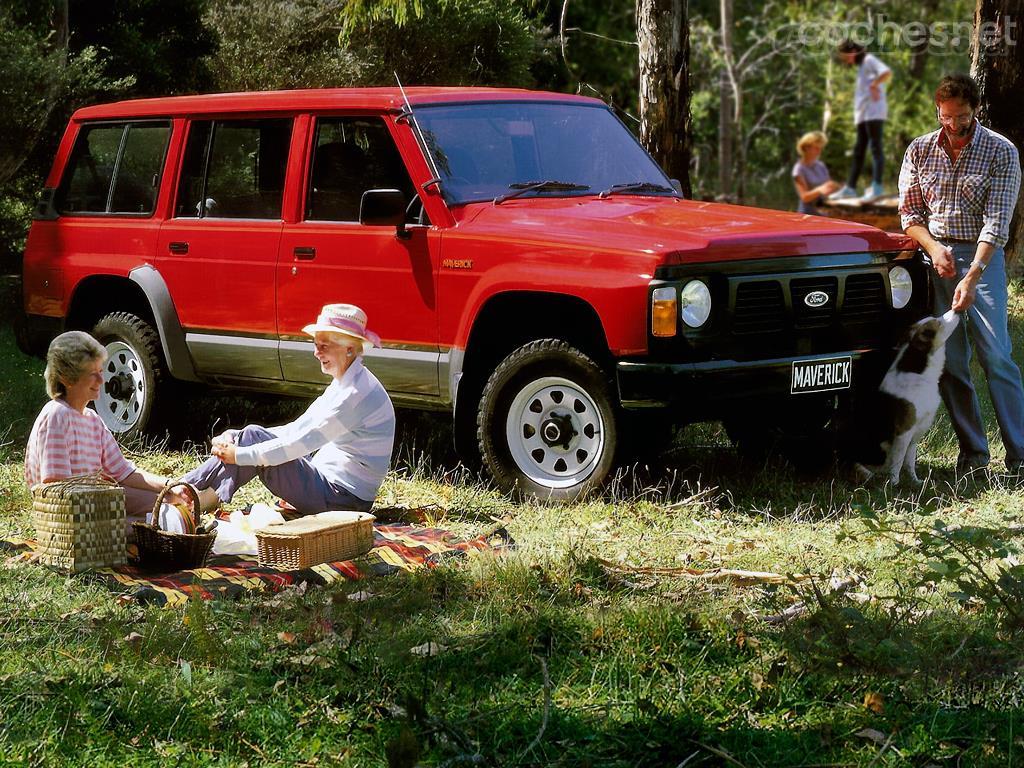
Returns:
<point x="547" y="655"/>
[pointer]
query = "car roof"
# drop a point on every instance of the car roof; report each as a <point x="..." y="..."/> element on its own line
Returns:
<point x="373" y="99"/>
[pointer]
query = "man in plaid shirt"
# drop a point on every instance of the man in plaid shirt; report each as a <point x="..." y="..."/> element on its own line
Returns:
<point x="958" y="188"/>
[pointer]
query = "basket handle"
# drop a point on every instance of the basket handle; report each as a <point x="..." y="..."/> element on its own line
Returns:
<point x="192" y="490"/>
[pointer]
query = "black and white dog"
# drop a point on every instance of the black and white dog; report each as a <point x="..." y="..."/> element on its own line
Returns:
<point x="904" y="407"/>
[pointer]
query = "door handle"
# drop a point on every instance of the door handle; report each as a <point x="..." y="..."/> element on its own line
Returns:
<point x="177" y="247"/>
<point x="304" y="254"/>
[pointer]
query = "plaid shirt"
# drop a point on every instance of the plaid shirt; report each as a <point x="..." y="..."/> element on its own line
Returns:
<point x="970" y="200"/>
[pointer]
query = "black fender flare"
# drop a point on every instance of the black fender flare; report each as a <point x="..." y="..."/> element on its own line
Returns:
<point x="168" y="326"/>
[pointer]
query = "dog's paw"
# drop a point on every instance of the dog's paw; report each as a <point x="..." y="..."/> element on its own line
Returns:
<point x="860" y="474"/>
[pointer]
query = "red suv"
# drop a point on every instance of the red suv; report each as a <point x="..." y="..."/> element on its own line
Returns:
<point x="530" y="268"/>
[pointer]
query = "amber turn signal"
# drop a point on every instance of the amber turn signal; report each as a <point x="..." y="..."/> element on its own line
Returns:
<point x="664" y="311"/>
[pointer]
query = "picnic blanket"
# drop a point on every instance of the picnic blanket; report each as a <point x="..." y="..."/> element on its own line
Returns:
<point x="396" y="548"/>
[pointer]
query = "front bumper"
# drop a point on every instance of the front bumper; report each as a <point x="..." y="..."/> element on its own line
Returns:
<point x="708" y="390"/>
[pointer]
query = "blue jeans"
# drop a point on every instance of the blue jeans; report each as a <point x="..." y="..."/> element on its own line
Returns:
<point x="298" y="482"/>
<point x="986" y="323"/>
<point x="868" y="132"/>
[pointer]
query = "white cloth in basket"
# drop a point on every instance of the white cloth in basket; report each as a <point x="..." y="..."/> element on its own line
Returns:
<point x="237" y="534"/>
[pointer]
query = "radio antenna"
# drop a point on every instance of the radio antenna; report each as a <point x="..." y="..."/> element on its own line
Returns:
<point x="408" y="114"/>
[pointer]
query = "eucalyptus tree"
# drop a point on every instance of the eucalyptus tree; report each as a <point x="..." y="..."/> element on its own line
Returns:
<point x="998" y="64"/>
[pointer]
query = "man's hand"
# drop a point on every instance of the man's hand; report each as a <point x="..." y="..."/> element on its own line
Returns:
<point x="942" y="259"/>
<point x="963" y="296"/>
<point x="876" y="91"/>
<point x="224" y="451"/>
<point x="227" y="437"/>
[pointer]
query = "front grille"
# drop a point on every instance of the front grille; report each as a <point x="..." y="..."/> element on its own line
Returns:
<point x="769" y="305"/>
<point x="865" y="298"/>
<point x="760" y="307"/>
<point x="814" y="315"/>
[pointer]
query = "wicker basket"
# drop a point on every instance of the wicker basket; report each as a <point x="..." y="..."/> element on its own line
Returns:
<point x="328" y="537"/>
<point x="80" y="523"/>
<point x="164" y="551"/>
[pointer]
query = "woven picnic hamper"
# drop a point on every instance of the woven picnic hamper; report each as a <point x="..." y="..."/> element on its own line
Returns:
<point x="164" y="551"/>
<point x="328" y="537"/>
<point x="80" y="523"/>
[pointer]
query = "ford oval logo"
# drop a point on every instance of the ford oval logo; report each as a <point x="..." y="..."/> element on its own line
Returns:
<point x="816" y="299"/>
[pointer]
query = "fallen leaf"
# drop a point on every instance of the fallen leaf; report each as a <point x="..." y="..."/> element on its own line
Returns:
<point x="428" y="649"/>
<point x="871" y="734"/>
<point x="288" y="638"/>
<point x="134" y="639"/>
<point x="874" y="702"/>
<point x="360" y="596"/>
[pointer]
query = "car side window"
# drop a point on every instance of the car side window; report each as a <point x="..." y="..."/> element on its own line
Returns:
<point x="234" y="169"/>
<point x="114" y="168"/>
<point x="350" y="156"/>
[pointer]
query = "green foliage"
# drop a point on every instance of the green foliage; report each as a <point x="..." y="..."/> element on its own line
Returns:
<point x="978" y="564"/>
<point x="162" y="47"/>
<point x="297" y="46"/>
<point x="452" y="42"/>
<point x="115" y="49"/>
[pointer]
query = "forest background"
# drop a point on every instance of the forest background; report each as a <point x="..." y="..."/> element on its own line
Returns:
<point x="760" y="73"/>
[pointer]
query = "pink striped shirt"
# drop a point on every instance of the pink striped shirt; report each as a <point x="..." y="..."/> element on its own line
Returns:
<point x="66" y="443"/>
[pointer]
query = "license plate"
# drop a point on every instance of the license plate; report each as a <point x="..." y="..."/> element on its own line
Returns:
<point x="821" y="375"/>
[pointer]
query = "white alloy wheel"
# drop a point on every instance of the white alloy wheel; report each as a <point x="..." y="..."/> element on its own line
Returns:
<point x="123" y="398"/>
<point x="555" y="432"/>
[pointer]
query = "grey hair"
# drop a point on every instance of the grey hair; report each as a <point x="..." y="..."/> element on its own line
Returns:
<point x="67" y="358"/>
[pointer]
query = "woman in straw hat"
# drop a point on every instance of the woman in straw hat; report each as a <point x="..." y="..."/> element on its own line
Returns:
<point x="336" y="454"/>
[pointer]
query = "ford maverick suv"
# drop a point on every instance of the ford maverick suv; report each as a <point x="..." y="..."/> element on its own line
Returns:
<point x="531" y="270"/>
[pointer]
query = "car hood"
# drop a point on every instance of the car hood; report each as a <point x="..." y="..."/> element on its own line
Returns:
<point x="677" y="231"/>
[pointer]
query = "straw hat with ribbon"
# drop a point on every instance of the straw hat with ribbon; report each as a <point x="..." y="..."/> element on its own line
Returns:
<point x="346" y="319"/>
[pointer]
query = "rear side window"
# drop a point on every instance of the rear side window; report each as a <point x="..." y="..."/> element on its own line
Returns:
<point x="352" y="155"/>
<point x="114" y="168"/>
<point x="234" y="169"/>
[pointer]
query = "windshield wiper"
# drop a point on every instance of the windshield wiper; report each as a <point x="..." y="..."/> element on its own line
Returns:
<point x="635" y="186"/>
<point x="522" y="187"/>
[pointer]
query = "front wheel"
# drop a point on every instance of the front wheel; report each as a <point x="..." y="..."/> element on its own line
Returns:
<point x="546" y="422"/>
<point x="131" y="373"/>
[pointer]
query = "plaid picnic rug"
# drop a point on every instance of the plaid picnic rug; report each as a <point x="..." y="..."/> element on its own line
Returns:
<point x="396" y="548"/>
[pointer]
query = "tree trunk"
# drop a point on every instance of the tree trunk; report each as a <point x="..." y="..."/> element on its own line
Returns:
<point x="997" y="63"/>
<point x="726" y="106"/>
<point x="663" y="35"/>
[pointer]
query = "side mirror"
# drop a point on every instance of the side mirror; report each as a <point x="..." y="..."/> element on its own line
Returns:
<point x="382" y="208"/>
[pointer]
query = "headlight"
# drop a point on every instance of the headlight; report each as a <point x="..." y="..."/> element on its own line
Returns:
<point x="695" y="304"/>
<point x="901" y="287"/>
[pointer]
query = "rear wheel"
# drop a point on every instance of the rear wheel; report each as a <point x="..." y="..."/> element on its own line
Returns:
<point x="131" y="375"/>
<point x="546" y="422"/>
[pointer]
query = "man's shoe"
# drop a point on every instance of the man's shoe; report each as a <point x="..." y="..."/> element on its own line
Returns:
<point x="872" y="193"/>
<point x="846" y="193"/>
<point x="1015" y="467"/>
<point x="971" y="467"/>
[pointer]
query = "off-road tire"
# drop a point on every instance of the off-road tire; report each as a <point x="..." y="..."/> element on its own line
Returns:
<point x="133" y="372"/>
<point x="548" y="390"/>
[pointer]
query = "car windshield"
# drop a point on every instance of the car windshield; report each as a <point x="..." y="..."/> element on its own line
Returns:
<point x="486" y="150"/>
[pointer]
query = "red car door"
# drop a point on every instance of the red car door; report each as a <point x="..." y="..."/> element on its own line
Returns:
<point x="329" y="257"/>
<point x="218" y="251"/>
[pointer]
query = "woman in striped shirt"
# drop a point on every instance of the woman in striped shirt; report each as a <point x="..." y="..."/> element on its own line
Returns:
<point x="69" y="439"/>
